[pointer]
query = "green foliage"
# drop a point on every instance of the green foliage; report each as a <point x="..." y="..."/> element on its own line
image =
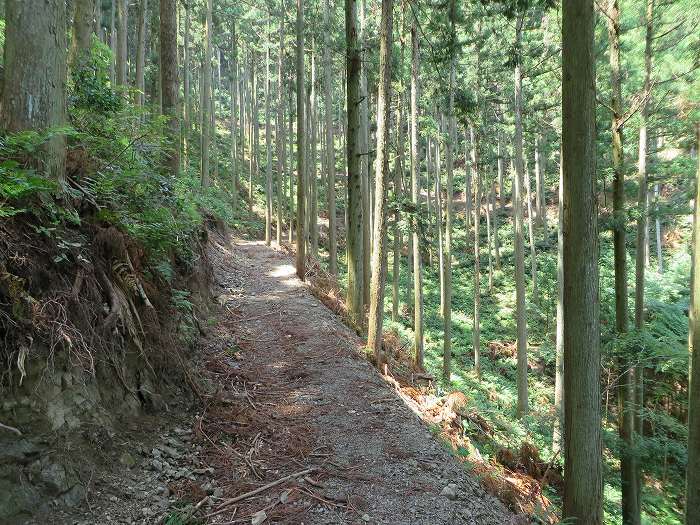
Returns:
<point x="90" y="82"/>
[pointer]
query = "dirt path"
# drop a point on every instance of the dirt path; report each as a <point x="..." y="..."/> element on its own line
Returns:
<point x="293" y="392"/>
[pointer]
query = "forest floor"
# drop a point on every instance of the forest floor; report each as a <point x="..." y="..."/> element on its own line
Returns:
<point x="289" y="397"/>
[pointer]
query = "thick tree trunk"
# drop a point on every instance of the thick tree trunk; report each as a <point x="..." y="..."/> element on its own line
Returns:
<point x="521" y="313"/>
<point x="692" y="491"/>
<point x="301" y="146"/>
<point x="34" y="91"/>
<point x="206" y="98"/>
<point x="355" y="236"/>
<point x="379" y="259"/>
<point x="583" y="467"/>
<point x="365" y="159"/>
<point x="83" y="26"/>
<point x="122" y="32"/>
<point x="330" y="143"/>
<point x="169" y="84"/>
<point x="416" y="199"/>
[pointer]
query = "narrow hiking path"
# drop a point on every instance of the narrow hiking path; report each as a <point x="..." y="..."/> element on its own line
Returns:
<point x="293" y="392"/>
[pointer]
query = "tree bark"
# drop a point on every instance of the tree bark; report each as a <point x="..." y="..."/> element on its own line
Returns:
<point x="233" y="65"/>
<point x="140" y="97"/>
<point x="169" y="84"/>
<point x="34" y="91"/>
<point x="301" y="150"/>
<point x="447" y="258"/>
<point x="583" y="467"/>
<point x="206" y="97"/>
<point x="692" y="491"/>
<point x="365" y="160"/>
<point x="330" y="143"/>
<point x="416" y="199"/>
<point x="379" y="259"/>
<point x="268" y="143"/>
<point x="521" y="313"/>
<point x="476" y="329"/>
<point x="122" y="32"/>
<point x="355" y="232"/>
<point x="83" y="26"/>
<point x="531" y="234"/>
<point x="558" y="432"/>
<point x="279" y="135"/>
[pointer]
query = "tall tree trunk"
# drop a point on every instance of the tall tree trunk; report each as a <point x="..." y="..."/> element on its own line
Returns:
<point x="490" y="204"/>
<point x="169" y="84"/>
<point x="113" y="42"/>
<point x="626" y="386"/>
<point x="186" y="74"/>
<point x="398" y="241"/>
<point x="279" y="135"/>
<point x="531" y="234"/>
<point x="438" y="216"/>
<point x="34" y="91"/>
<point x="206" y="98"/>
<point x="416" y="199"/>
<point x="268" y="143"/>
<point x="355" y="235"/>
<point x="521" y="312"/>
<point x="365" y="159"/>
<point x="642" y="230"/>
<point x="255" y="119"/>
<point x="692" y="491"/>
<point x="447" y="258"/>
<point x="501" y="173"/>
<point x="330" y="143"/>
<point x="657" y="222"/>
<point x="583" y="467"/>
<point x="313" y="149"/>
<point x="376" y="306"/>
<point x="301" y="150"/>
<point x="122" y="32"/>
<point x="233" y="67"/>
<point x="140" y="97"/>
<point x="476" y="329"/>
<point x="558" y="432"/>
<point x="83" y="26"/>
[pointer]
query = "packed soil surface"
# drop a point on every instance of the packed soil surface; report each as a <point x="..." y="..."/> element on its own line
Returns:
<point x="293" y="425"/>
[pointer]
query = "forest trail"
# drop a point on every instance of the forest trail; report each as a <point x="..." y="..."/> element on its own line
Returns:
<point x="296" y="393"/>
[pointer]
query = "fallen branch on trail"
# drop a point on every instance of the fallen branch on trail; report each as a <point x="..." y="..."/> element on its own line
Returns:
<point x="222" y="506"/>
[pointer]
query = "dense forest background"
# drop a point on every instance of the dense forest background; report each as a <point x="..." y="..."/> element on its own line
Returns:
<point x="435" y="218"/>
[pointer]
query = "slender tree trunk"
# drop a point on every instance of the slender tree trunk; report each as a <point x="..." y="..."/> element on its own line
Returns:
<point x="642" y="232"/>
<point x="692" y="491"/>
<point x="279" y="135"/>
<point x="34" y="90"/>
<point x="290" y="129"/>
<point x="398" y="175"/>
<point x="447" y="258"/>
<point x="583" y="467"/>
<point x="558" y="433"/>
<point x="657" y="222"/>
<point x="301" y="150"/>
<point x="376" y="307"/>
<point x="490" y="203"/>
<point x="539" y="186"/>
<point x="233" y="65"/>
<point x="521" y="313"/>
<point x="169" y="84"/>
<point x="501" y="173"/>
<point x="255" y="157"/>
<point x="140" y="97"/>
<point x="206" y="97"/>
<point x="438" y="215"/>
<point x="83" y="26"/>
<point x="355" y="236"/>
<point x="416" y="199"/>
<point x="626" y="388"/>
<point x="113" y="42"/>
<point x="268" y="143"/>
<point x="330" y="144"/>
<point x="313" y="149"/>
<point x="531" y="234"/>
<point x="476" y="329"/>
<point x="122" y="32"/>
<point x="187" y="86"/>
